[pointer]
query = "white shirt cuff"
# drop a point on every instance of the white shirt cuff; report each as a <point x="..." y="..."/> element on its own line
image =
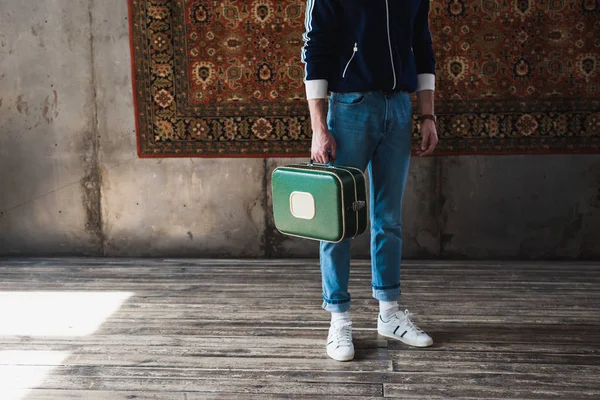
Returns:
<point x="425" y="82"/>
<point x="316" y="89"/>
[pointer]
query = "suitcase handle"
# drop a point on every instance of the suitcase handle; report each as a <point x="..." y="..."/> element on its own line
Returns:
<point x="311" y="163"/>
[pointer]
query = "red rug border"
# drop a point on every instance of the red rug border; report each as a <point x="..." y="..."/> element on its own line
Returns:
<point x="441" y="154"/>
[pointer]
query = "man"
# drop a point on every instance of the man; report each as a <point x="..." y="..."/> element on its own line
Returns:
<point x="370" y="54"/>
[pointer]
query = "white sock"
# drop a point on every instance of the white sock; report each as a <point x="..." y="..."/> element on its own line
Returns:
<point x="388" y="308"/>
<point x="340" y="316"/>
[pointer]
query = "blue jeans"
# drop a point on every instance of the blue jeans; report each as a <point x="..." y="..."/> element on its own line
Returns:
<point x="371" y="130"/>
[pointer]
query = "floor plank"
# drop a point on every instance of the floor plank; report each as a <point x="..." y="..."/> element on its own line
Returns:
<point x="254" y="329"/>
<point x="51" y="394"/>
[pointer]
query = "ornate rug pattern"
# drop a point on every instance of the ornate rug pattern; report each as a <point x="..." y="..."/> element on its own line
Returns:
<point x="223" y="78"/>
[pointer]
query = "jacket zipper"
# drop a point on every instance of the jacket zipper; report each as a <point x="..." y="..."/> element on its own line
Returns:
<point x="387" y="10"/>
<point x="351" y="58"/>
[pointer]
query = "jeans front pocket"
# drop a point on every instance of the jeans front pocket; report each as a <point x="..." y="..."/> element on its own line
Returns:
<point x="348" y="99"/>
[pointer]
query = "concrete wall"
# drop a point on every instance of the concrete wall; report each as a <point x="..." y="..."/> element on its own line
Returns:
<point x="71" y="183"/>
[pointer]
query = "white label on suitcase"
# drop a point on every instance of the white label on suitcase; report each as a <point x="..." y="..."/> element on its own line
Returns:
<point x="302" y="205"/>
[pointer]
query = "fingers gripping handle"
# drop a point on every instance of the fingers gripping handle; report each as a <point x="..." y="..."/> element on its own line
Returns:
<point x="329" y="164"/>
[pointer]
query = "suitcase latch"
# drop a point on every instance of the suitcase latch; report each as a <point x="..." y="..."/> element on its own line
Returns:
<point x="358" y="205"/>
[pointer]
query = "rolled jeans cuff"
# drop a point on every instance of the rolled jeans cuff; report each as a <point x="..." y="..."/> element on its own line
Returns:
<point x="386" y="293"/>
<point x="336" y="305"/>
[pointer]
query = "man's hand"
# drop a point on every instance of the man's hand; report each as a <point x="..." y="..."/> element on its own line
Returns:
<point x="323" y="146"/>
<point x="430" y="138"/>
<point x="425" y="100"/>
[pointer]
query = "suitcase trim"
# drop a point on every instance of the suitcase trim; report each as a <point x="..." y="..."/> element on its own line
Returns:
<point x="295" y="168"/>
<point x="356" y="196"/>
<point x="355" y="200"/>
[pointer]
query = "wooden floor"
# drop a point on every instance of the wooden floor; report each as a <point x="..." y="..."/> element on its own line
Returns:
<point x="188" y="330"/>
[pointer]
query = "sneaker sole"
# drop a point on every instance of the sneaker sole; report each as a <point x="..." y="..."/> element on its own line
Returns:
<point x="388" y="335"/>
<point x="349" y="357"/>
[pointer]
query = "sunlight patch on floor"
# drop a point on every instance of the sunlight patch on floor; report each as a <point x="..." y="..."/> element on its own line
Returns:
<point x="56" y="313"/>
<point x="18" y="375"/>
<point x="46" y="314"/>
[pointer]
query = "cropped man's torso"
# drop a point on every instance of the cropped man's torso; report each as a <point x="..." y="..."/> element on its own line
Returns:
<point x="371" y="44"/>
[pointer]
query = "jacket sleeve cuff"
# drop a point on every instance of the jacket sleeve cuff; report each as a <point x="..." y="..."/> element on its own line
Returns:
<point x="425" y="82"/>
<point x="316" y="89"/>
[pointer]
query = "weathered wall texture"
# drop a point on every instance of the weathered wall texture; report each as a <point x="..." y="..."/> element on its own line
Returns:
<point x="71" y="183"/>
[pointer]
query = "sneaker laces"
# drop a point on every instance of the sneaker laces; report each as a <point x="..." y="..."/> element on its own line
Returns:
<point x="343" y="334"/>
<point x="411" y="326"/>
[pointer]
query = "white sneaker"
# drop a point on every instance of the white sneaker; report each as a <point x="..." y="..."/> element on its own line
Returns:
<point x="401" y="327"/>
<point x="339" y="341"/>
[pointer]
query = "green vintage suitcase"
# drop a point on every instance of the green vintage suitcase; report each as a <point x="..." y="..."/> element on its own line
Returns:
<point x="320" y="202"/>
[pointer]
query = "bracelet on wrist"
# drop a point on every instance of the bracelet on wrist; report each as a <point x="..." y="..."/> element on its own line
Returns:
<point x="423" y="117"/>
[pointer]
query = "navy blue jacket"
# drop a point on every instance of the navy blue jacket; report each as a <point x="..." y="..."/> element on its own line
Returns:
<point x="366" y="45"/>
